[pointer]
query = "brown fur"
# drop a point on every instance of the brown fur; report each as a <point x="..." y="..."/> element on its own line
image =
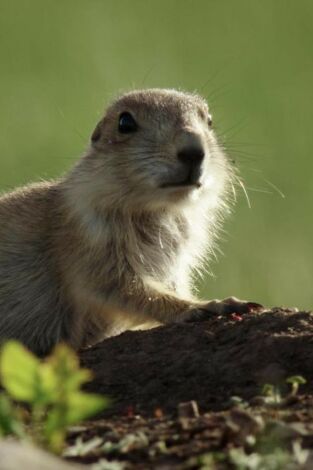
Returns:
<point x="106" y="248"/>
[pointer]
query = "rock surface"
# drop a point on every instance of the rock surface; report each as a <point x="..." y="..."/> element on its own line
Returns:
<point x="16" y="456"/>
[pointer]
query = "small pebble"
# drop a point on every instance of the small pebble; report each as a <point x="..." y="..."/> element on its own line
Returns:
<point x="188" y="409"/>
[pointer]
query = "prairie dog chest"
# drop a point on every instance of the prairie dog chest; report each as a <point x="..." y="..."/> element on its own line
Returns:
<point x="146" y="245"/>
<point x="156" y="246"/>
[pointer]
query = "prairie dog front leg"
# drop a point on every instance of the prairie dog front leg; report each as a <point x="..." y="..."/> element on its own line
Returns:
<point x="165" y="307"/>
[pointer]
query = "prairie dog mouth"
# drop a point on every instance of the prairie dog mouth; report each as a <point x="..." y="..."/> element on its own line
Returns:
<point x="192" y="179"/>
<point x="182" y="184"/>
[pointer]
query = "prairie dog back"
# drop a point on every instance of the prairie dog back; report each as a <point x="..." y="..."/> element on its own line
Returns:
<point x="114" y="243"/>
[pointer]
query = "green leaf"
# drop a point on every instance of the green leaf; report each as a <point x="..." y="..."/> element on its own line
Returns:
<point x="9" y="422"/>
<point x="82" y="405"/>
<point x="48" y="384"/>
<point x="51" y="387"/>
<point x="19" y="371"/>
<point x="65" y="365"/>
<point x="75" y="407"/>
<point x="296" y="379"/>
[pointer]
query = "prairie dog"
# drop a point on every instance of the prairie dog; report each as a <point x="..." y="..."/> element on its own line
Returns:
<point x="114" y="242"/>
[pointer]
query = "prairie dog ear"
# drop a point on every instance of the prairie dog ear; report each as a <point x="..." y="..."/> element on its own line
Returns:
<point x="96" y="135"/>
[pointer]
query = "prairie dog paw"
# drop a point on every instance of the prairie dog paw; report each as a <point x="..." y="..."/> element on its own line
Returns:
<point x="234" y="305"/>
<point x="205" y="310"/>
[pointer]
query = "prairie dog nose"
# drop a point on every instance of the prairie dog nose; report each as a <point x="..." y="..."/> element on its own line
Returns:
<point x="190" y="148"/>
<point x="191" y="155"/>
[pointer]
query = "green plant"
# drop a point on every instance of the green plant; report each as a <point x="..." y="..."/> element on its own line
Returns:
<point x="50" y="387"/>
<point x="295" y="381"/>
<point x="272" y="394"/>
<point x="10" y="418"/>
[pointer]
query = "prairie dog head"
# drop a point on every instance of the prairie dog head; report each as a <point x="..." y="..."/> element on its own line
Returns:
<point x="155" y="148"/>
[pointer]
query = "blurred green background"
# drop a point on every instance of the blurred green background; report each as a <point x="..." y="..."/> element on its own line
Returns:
<point x="62" y="61"/>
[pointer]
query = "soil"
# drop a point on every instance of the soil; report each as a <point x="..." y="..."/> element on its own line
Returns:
<point x="180" y="391"/>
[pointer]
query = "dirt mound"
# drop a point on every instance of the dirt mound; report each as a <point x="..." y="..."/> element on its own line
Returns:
<point x="205" y="361"/>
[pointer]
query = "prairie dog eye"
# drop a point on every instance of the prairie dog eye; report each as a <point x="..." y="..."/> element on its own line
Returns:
<point x="210" y="120"/>
<point x="127" y="124"/>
